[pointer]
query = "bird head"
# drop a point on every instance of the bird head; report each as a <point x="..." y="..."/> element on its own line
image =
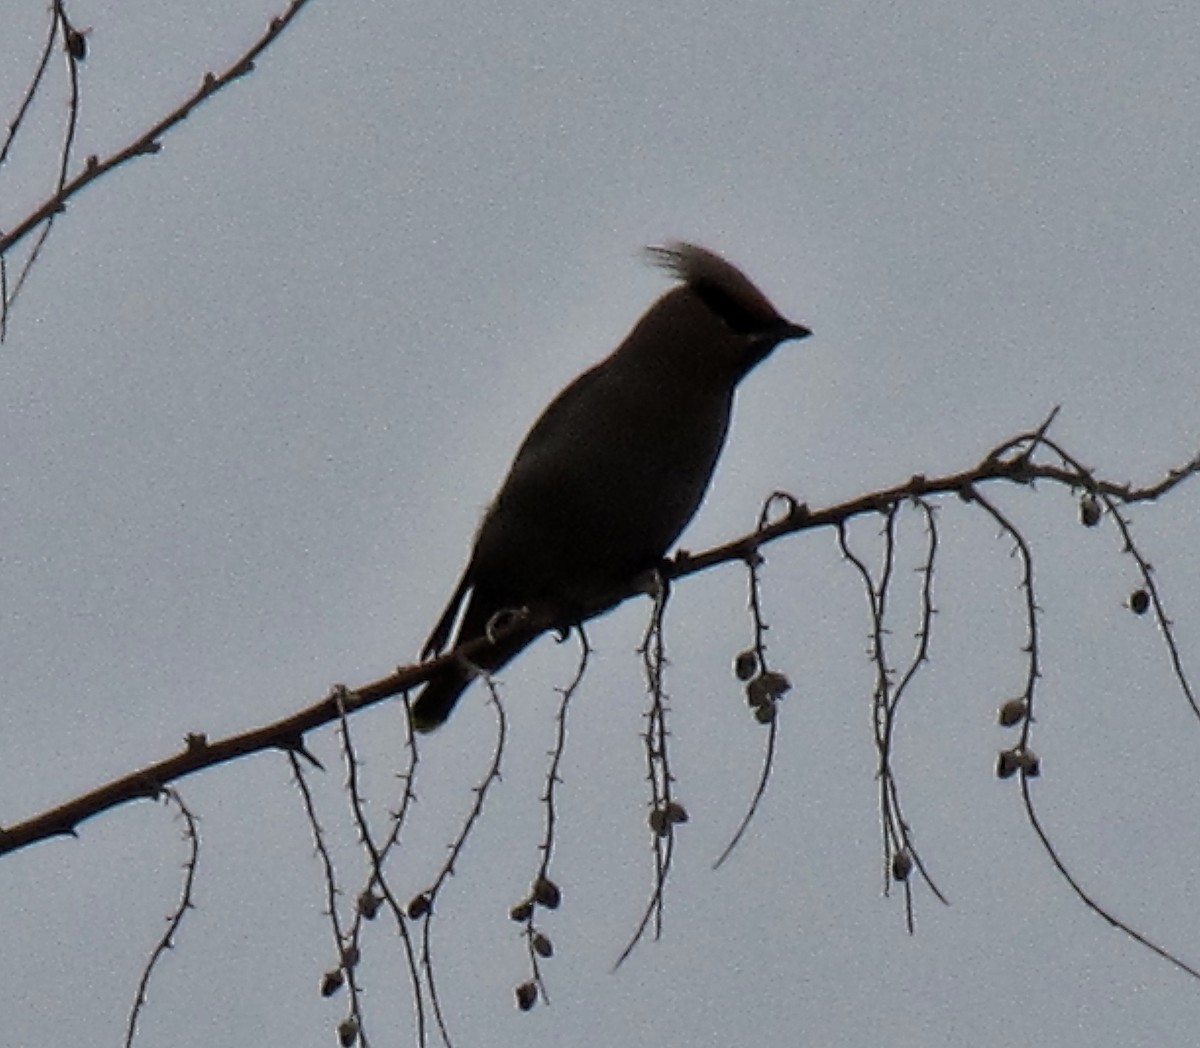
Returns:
<point x="718" y="308"/>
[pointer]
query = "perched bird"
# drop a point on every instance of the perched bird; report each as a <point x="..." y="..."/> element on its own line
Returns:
<point x="612" y="471"/>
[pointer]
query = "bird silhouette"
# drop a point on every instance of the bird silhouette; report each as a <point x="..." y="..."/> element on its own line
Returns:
<point x="610" y="474"/>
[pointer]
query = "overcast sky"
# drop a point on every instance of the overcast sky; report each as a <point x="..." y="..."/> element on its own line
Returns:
<point x="260" y="387"/>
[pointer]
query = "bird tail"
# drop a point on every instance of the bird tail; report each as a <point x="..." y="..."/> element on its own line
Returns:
<point x="435" y="702"/>
<point x="438" y="698"/>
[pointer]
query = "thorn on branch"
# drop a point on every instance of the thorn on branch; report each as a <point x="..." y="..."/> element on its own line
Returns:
<point x="681" y="559"/>
<point x="295" y="744"/>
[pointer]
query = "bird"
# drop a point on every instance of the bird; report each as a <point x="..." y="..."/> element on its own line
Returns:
<point x="609" y="475"/>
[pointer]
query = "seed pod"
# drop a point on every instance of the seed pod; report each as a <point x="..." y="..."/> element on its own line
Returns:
<point x="347" y="1032"/>
<point x="369" y="903"/>
<point x="419" y="906"/>
<point x="527" y="995"/>
<point x="546" y="893"/>
<point x="767" y="687"/>
<point x="902" y="865"/>
<point x="765" y="713"/>
<point x="745" y="665"/>
<point x="522" y="911"/>
<point x="1089" y="510"/>
<point x="676" y="812"/>
<point x="659" y="822"/>
<point x="76" y="44"/>
<point x="1007" y="763"/>
<point x="331" y="982"/>
<point x="1031" y="766"/>
<point x="1013" y="712"/>
<point x="1139" y="602"/>
<point x="542" y="945"/>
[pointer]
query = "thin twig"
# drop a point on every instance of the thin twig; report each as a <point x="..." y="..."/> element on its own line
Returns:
<point x="191" y="834"/>
<point x="430" y="895"/>
<point x="658" y="773"/>
<point x="347" y="959"/>
<point x="149" y="142"/>
<point x="766" y="705"/>
<point x="376" y="878"/>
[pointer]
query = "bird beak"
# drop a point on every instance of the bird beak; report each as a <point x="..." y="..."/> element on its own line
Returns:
<point x="792" y="332"/>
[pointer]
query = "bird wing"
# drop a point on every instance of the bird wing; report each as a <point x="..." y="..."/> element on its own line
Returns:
<point x="440" y="637"/>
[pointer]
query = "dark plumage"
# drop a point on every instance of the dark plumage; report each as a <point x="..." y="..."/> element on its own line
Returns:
<point x="613" y="470"/>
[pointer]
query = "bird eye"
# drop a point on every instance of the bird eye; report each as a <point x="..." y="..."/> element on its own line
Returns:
<point x="730" y="309"/>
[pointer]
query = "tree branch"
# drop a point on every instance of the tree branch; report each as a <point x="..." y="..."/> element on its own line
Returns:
<point x="150" y="142"/>
<point x="1010" y="462"/>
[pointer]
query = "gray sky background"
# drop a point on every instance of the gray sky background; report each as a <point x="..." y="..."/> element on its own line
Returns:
<point x="260" y="387"/>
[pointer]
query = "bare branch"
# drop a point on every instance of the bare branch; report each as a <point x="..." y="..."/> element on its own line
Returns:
<point x="191" y="834"/>
<point x="764" y="686"/>
<point x="288" y="733"/>
<point x="150" y="141"/>
<point x="537" y="942"/>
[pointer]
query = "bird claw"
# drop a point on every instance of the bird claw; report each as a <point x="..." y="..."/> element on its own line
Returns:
<point x="505" y="621"/>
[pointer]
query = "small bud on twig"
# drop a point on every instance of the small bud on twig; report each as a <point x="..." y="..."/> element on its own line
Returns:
<point x="522" y="911"/>
<point x="546" y="893"/>
<point x="347" y="1032"/>
<point x="76" y="43"/>
<point x="745" y="665"/>
<point x="1013" y="712"/>
<point x="1007" y="763"/>
<point x="527" y="995"/>
<point x="767" y="687"/>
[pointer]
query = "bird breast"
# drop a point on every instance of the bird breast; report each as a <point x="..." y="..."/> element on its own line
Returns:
<point x="602" y="486"/>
